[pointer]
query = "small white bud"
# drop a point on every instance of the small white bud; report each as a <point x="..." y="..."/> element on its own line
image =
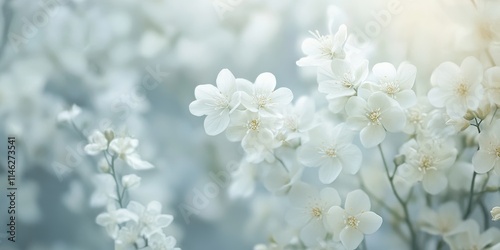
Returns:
<point x="495" y="213"/>
<point x="131" y="181"/>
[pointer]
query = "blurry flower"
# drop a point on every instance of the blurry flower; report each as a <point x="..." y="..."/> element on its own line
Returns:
<point x="467" y="236"/>
<point x="279" y="178"/>
<point x="323" y="48"/>
<point x="331" y="150"/>
<point x="263" y="98"/>
<point x="350" y="224"/>
<point x="309" y="211"/>
<point x="417" y="116"/>
<point x="442" y="221"/>
<point x="69" y="115"/>
<point x="396" y="84"/>
<point x="160" y="241"/>
<point x="298" y="119"/>
<point x="98" y="143"/>
<point x="426" y="161"/>
<point x="131" y="181"/>
<point x="243" y="180"/>
<point x="492" y="84"/>
<point x="488" y="155"/>
<point x="495" y="213"/>
<point x="127" y="235"/>
<point x="216" y="102"/>
<point x="255" y="133"/>
<point x="150" y="219"/>
<point x="124" y="148"/>
<point x="113" y="217"/>
<point x="374" y="117"/>
<point x="457" y="88"/>
<point x="340" y="80"/>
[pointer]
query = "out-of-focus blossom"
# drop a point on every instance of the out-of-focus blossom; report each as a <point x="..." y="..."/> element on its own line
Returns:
<point x="352" y="222"/>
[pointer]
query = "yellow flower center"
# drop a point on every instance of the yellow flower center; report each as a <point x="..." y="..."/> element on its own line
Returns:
<point x="254" y="124"/>
<point x="462" y="89"/>
<point x="316" y="212"/>
<point x="391" y="88"/>
<point x="352" y="222"/>
<point x="426" y="164"/>
<point x="374" y="116"/>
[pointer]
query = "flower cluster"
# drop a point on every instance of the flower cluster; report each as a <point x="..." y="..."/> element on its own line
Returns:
<point x="133" y="226"/>
<point x="449" y="135"/>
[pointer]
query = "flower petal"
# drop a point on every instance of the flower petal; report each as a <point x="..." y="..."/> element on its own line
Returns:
<point x="351" y="157"/>
<point x="434" y="182"/>
<point x="369" y="222"/>
<point x="393" y="119"/>
<point x="372" y="135"/>
<point x="357" y="202"/>
<point x="226" y="82"/>
<point x="328" y="173"/>
<point x="265" y="83"/>
<point x="351" y="238"/>
<point x="483" y="161"/>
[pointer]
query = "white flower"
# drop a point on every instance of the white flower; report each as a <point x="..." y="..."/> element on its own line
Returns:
<point x="492" y="84"/>
<point x="495" y="213"/>
<point x="340" y="80"/>
<point x="216" y="102"/>
<point x="131" y="181"/>
<point x="352" y="223"/>
<point x="124" y="148"/>
<point x="457" y="88"/>
<point x="467" y="236"/>
<point x="150" y="218"/>
<point x="160" y="241"/>
<point x="396" y="84"/>
<point x="442" y="221"/>
<point x="323" y="48"/>
<point x="417" y="116"/>
<point x="488" y="155"/>
<point x="127" y="235"/>
<point x="374" y="117"/>
<point x="98" y="143"/>
<point x="262" y="98"/>
<point x="298" y="119"/>
<point x="331" y="150"/>
<point x="427" y="160"/>
<point x="255" y="133"/>
<point x="69" y="115"/>
<point x="113" y="217"/>
<point x="309" y="211"/>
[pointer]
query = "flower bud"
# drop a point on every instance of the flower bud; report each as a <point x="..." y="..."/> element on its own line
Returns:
<point x="109" y="134"/>
<point x="399" y="159"/>
<point x="483" y="111"/>
<point x="104" y="166"/>
<point x="469" y="115"/>
<point x="131" y="181"/>
<point x="495" y="213"/>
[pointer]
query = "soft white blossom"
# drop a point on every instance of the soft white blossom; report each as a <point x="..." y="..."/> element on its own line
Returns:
<point x="150" y="218"/>
<point x="492" y="84"/>
<point x="323" y="48"/>
<point x="340" y="80"/>
<point x="458" y="89"/>
<point x="131" y="181"/>
<point x="263" y="98"/>
<point x="330" y="149"/>
<point x="488" y="155"/>
<point x="468" y="236"/>
<point x="69" y="115"/>
<point x="216" y="102"/>
<point x="495" y="213"/>
<point x="374" y="117"/>
<point x="113" y="217"/>
<point x="98" y="143"/>
<point x="309" y="212"/>
<point x="160" y="241"/>
<point x="442" y="221"/>
<point x="427" y="160"/>
<point x="396" y="84"/>
<point x="124" y="148"/>
<point x="352" y="222"/>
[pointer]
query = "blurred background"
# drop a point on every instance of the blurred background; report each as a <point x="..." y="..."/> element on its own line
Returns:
<point x="133" y="65"/>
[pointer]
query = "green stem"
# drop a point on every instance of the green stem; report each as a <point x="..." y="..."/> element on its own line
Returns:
<point x="401" y="202"/>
